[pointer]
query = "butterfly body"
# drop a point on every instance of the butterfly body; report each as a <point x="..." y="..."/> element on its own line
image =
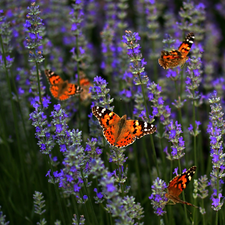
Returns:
<point x="119" y="131"/>
<point x="178" y="184"/>
<point x="174" y="58"/>
<point x="59" y="88"/>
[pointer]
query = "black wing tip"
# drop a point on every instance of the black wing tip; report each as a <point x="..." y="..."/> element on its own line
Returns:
<point x="78" y="89"/>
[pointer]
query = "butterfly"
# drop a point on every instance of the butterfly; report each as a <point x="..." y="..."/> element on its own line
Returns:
<point x="178" y="57"/>
<point x="119" y="131"/>
<point x="178" y="184"/>
<point x="60" y="89"/>
<point x="85" y="85"/>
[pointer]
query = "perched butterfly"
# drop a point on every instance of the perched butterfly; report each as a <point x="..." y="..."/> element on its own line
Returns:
<point x="60" y="89"/>
<point x="85" y="85"/>
<point x="178" y="184"/>
<point x="121" y="132"/>
<point x="178" y="57"/>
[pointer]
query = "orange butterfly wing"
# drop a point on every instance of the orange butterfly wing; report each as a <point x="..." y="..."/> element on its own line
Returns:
<point x="178" y="184"/>
<point x="185" y="46"/>
<point x="120" y="132"/>
<point x="109" y="122"/>
<point x="178" y="57"/>
<point x="85" y="85"/>
<point x="59" y="88"/>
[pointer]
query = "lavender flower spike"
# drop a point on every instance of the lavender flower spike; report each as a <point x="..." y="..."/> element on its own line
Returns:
<point x="137" y="63"/>
<point x="158" y="199"/>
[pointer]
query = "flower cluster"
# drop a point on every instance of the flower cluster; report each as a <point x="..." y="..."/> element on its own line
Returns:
<point x="43" y="128"/>
<point x="215" y="130"/>
<point x="80" y="52"/>
<point x="5" y="38"/>
<point x="35" y="29"/>
<point x="100" y="93"/>
<point x="196" y="131"/>
<point x="186" y="16"/>
<point x="173" y="134"/>
<point x="81" y="221"/>
<point x="39" y="203"/>
<point x="194" y="79"/>
<point x="75" y="172"/>
<point x="2" y="218"/>
<point x="139" y="107"/>
<point x="137" y="63"/>
<point x="200" y="186"/>
<point x="158" y="199"/>
<point x="159" y="109"/>
<point x="108" y="50"/>
<point x="125" y="210"/>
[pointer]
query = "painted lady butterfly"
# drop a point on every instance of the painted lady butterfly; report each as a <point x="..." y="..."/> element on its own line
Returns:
<point x="178" y="184"/>
<point x="60" y="89"/>
<point x="178" y="57"/>
<point x="119" y="131"/>
<point x="85" y="85"/>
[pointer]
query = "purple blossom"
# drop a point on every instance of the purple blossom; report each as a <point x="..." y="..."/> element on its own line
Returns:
<point x="158" y="199"/>
<point x="62" y="147"/>
<point x="176" y="171"/>
<point x="136" y="61"/>
<point x="76" y="188"/>
<point x="110" y="187"/>
<point x="59" y="128"/>
<point x="85" y="197"/>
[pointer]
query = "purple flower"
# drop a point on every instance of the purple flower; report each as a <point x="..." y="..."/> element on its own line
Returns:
<point x="136" y="61"/>
<point x="85" y="197"/>
<point x="155" y="111"/>
<point x="63" y="148"/>
<point x="45" y="102"/>
<point x="58" y="128"/>
<point x="174" y="151"/>
<point x="190" y="128"/>
<point x="173" y="134"/>
<point x="76" y="188"/>
<point x="158" y="199"/>
<point x="57" y="107"/>
<point x="48" y="173"/>
<point x="74" y="27"/>
<point x="176" y="171"/>
<point x="43" y="147"/>
<point x="34" y="27"/>
<point x="110" y="187"/>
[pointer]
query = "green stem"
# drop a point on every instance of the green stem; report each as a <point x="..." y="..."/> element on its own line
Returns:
<point x="203" y="216"/>
<point x="78" y="72"/>
<point x="181" y="82"/>
<point x="217" y="214"/>
<point x="155" y="63"/>
<point x="194" y="129"/>
<point x="76" y="208"/>
<point x="39" y="86"/>
<point x="137" y="171"/>
<point x="121" y="185"/>
<point x="21" y="152"/>
<point x="21" y="114"/>
<point x="151" y="138"/>
<point x="58" y="199"/>
<point x="162" y="154"/>
<point x="90" y="202"/>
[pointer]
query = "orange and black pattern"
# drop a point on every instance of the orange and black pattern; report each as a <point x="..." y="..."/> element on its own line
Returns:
<point x="60" y="89"/>
<point x="121" y="132"/>
<point x="178" y="184"/>
<point x="178" y="57"/>
<point x="85" y="84"/>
